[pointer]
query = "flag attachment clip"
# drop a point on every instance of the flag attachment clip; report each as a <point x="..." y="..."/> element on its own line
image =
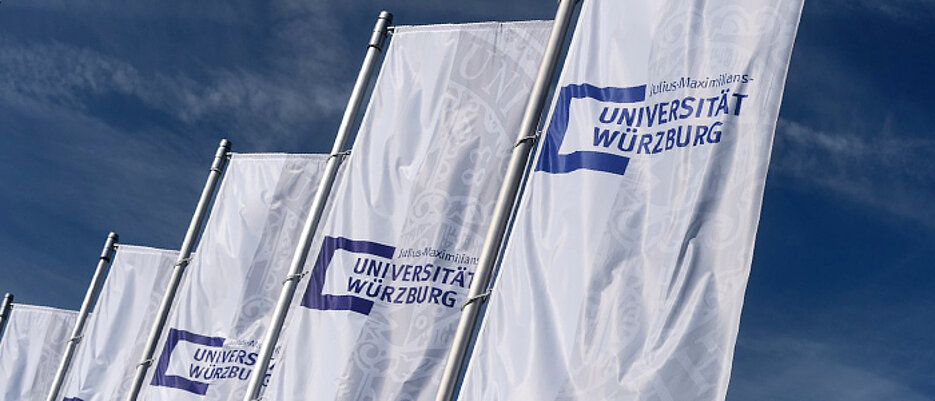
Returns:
<point x="297" y="276"/>
<point x="341" y="154"/>
<point x="218" y="169"/>
<point x="532" y="137"/>
<point x="477" y="298"/>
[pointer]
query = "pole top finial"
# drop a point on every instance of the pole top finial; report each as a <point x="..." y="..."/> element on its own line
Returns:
<point x="380" y="30"/>
<point x="220" y="158"/>
<point x="388" y="16"/>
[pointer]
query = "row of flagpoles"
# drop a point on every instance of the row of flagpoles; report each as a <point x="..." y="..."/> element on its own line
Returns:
<point x="620" y="236"/>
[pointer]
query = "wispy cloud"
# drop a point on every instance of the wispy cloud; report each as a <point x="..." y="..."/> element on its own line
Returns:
<point x="249" y="101"/>
<point x="783" y="368"/>
<point x="884" y="171"/>
<point x="898" y="10"/>
<point x="232" y="11"/>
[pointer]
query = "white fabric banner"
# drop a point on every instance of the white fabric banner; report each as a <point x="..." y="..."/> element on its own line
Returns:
<point x="222" y="310"/>
<point x="382" y="300"/>
<point x="31" y="349"/>
<point x="116" y="332"/>
<point x="626" y="267"/>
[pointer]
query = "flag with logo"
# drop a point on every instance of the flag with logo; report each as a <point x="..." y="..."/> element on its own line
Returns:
<point x="222" y="310"/>
<point x="626" y="266"/>
<point x="116" y="332"/>
<point x="397" y="254"/>
<point x="31" y="348"/>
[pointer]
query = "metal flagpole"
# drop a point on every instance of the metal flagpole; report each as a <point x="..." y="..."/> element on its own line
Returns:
<point x="185" y="253"/>
<point x="5" y="312"/>
<point x="508" y="191"/>
<point x="90" y="298"/>
<point x="271" y="337"/>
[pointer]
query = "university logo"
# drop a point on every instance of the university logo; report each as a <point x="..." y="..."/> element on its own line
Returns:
<point x="368" y="273"/>
<point x="552" y="161"/>
<point x="191" y="361"/>
<point x="624" y="125"/>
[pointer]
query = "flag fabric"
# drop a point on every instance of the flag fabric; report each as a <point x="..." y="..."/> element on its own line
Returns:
<point x="222" y="309"/>
<point x="117" y="330"/>
<point x="626" y="266"/>
<point x="395" y="258"/>
<point x="32" y="347"/>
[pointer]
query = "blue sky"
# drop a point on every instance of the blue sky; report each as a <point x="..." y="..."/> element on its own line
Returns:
<point x="110" y="112"/>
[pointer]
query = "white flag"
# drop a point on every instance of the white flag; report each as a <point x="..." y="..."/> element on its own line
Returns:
<point x="116" y="333"/>
<point x="31" y="348"/>
<point x="223" y="307"/>
<point x="626" y="267"/>
<point x="399" y="250"/>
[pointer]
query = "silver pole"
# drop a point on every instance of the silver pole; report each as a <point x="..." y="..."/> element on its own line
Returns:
<point x="271" y="337"/>
<point x="508" y="190"/>
<point x="5" y="312"/>
<point x="90" y="298"/>
<point x="185" y="253"/>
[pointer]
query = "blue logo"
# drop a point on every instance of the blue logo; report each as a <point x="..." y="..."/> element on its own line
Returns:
<point x="160" y="378"/>
<point x="550" y="161"/>
<point x="315" y="299"/>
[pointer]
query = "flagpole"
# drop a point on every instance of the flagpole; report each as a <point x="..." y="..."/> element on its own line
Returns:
<point x="457" y="354"/>
<point x="296" y="267"/>
<point x="5" y="312"/>
<point x="90" y="298"/>
<point x="185" y="253"/>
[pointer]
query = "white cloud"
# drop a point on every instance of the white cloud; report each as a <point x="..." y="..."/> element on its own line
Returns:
<point x="254" y="104"/>
<point x="899" y="10"/>
<point x="302" y="73"/>
<point x="231" y="11"/>
<point x="888" y="172"/>
<point x="779" y="368"/>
